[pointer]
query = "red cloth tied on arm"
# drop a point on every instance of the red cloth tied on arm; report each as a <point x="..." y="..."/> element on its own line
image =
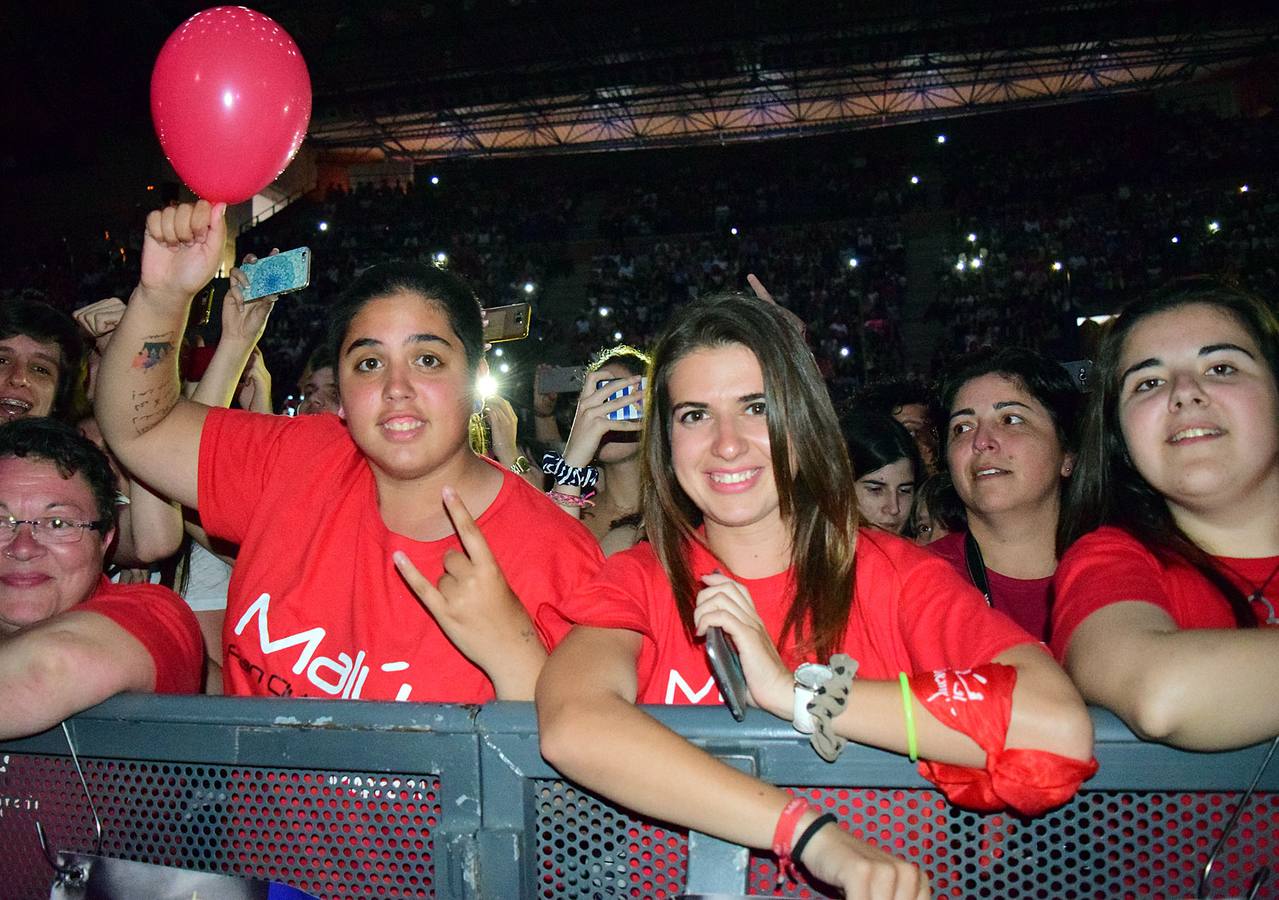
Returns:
<point x="979" y="703"/>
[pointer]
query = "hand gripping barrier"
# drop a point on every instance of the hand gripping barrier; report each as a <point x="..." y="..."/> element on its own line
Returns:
<point x="356" y="800"/>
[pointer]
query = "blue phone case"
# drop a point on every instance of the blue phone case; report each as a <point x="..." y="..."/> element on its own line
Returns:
<point x="632" y="412"/>
<point x="278" y="274"/>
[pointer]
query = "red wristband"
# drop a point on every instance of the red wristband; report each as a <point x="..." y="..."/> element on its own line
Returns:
<point x="783" y="836"/>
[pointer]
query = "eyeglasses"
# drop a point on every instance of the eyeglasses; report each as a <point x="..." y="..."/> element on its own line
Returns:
<point x="47" y="530"/>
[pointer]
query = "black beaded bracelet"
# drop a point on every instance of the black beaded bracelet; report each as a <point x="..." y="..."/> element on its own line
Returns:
<point x="813" y="827"/>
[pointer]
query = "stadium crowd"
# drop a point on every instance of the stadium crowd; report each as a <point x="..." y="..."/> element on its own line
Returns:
<point x="946" y="573"/>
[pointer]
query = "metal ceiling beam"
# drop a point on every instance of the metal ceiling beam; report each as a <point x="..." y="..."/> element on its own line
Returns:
<point x="758" y="103"/>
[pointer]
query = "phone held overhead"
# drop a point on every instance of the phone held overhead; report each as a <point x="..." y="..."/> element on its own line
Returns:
<point x="282" y="273"/>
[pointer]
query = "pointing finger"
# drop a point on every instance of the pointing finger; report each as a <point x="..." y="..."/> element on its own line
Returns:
<point x="758" y="287"/>
<point x="420" y="585"/>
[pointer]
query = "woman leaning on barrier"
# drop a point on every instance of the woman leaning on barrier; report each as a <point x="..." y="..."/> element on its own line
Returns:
<point x="750" y="509"/>
<point x="1166" y="612"/>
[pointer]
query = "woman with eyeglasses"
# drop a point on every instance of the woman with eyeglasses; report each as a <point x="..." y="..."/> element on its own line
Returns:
<point x="1166" y="600"/>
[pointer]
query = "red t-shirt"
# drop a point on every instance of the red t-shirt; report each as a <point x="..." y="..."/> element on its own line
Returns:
<point x="163" y="623"/>
<point x="1024" y="600"/>
<point x="910" y="613"/>
<point x="1109" y="565"/>
<point x="316" y="607"/>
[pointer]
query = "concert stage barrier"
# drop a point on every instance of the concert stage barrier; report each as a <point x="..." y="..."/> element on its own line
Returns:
<point x="362" y="799"/>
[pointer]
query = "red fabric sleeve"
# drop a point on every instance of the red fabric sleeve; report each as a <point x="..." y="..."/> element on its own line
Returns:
<point x="1104" y="567"/>
<point x="238" y="452"/>
<point x="161" y="622"/>
<point x="945" y="621"/>
<point x="979" y="703"/>
<point x="616" y="597"/>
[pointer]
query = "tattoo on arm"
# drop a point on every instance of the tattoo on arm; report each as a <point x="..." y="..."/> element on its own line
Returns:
<point x="155" y="349"/>
<point x="152" y="405"/>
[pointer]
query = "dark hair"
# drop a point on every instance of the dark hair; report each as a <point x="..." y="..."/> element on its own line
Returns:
<point x="1107" y="488"/>
<point x="23" y="316"/>
<point x="889" y="395"/>
<point x="876" y="440"/>
<point x="447" y="291"/>
<point x="322" y="358"/>
<point x="817" y="499"/>
<point x="1044" y="379"/>
<point x="937" y="494"/>
<point x="57" y="442"/>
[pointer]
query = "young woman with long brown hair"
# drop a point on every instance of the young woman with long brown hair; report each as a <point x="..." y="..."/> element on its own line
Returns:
<point x="749" y="506"/>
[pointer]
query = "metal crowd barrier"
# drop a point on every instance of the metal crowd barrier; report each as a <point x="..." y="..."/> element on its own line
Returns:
<point x="361" y="799"/>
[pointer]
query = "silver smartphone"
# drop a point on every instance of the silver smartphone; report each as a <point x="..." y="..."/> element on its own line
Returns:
<point x="726" y="666"/>
<point x="560" y="380"/>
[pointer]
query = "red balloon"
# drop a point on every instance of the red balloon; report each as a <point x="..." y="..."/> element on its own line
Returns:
<point x="231" y="99"/>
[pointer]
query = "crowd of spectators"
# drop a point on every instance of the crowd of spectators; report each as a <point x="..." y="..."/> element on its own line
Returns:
<point x="1055" y="226"/>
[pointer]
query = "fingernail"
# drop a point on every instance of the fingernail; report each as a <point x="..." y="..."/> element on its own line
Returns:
<point x="449" y="493"/>
<point x="399" y="557"/>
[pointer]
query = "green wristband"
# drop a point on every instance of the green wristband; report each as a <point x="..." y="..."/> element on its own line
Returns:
<point x="912" y="745"/>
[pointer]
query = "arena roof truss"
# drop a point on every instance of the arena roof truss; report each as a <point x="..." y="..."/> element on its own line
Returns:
<point x="756" y="101"/>
<point x="847" y="73"/>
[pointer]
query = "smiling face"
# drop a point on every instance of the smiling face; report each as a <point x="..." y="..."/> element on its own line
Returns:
<point x="1003" y="451"/>
<point x="405" y="386"/>
<point x="29" y="371"/>
<point x="1198" y="408"/>
<point x="884" y="497"/>
<point x="37" y="580"/>
<point x="720" y="447"/>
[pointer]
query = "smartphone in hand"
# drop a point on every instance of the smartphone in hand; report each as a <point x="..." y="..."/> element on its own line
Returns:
<point x="631" y="412"/>
<point x="278" y="274"/>
<point x="726" y="666"/>
<point x="559" y="380"/>
<point x="507" y="323"/>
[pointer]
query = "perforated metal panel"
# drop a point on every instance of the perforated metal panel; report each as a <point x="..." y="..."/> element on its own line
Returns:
<point x="588" y="849"/>
<point x="333" y="834"/>
<point x="1102" y="845"/>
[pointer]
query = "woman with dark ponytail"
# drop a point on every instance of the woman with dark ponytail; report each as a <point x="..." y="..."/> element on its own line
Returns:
<point x="1174" y="522"/>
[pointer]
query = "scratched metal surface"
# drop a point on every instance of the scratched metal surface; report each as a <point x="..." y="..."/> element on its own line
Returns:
<point x="357" y="799"/>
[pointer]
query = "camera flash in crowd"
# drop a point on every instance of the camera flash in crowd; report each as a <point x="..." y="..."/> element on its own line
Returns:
<point x="914" y="179"/>
<point x="852" y="262"/>
<point x="441" y="258"/>
<point x="941" y="138"/>
<point x="323" y="226"/>
<point x="486" y="385"/>
<point x="529" y="287"/>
